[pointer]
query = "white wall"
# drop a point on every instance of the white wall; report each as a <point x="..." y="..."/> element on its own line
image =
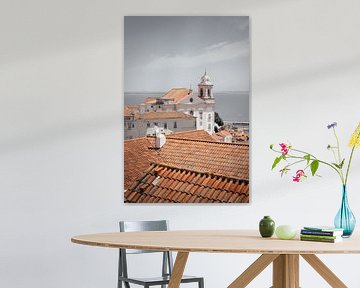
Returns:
<point x="61" y="132"/>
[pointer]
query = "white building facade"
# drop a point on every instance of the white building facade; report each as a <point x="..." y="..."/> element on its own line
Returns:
<point x="200" y="105"/>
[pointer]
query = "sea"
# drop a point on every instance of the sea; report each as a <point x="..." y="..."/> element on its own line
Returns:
<point x="232" y="106"/>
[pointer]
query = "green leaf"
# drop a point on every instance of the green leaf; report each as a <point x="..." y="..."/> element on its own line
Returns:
<point x="271" y="146"/>
<point x="307" y="157"/>
<point x="339" y="166"/>
<point x="342" y="163"/>
<point x="314" y="166"/>
<point x="336" y="165"/>
<point x="276" y="161"/>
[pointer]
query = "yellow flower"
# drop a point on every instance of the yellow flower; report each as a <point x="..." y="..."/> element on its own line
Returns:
<point x="355" y="138"/>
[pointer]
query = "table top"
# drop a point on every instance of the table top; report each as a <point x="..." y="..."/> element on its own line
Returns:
<point x="216" y="241"/>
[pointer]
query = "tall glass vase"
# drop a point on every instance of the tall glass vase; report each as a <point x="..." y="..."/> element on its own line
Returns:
<point x="345" y="219"/>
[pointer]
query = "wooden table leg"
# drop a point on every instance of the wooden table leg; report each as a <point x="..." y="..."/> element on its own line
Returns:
<point x="324" y="271"/>
<point x="178" y="269"/>
<point x="286" y="271"/>
<point x="253" y="270"/>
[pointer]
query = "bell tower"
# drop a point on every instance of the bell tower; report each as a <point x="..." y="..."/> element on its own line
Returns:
<point x="206" y="115"/>
<point x="205" y="88"/>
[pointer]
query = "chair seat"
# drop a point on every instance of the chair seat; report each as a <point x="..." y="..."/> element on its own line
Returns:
<point x="158" y="280"/>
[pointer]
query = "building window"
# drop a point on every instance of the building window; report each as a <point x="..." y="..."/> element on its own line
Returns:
<point x="155" y="124"/>
<point x="201" y="115"/>
<point x="209" y="92"/>
<point x="148" y="124"/>
<point x="191" y="100"/>
<point x="192" y="113"/>
<point x="209" y="127"/>
<point x="201" y="92"/>
<point x="165" y="125"/>
<point x="209" y="117"/>
<point x="175" y="125"/>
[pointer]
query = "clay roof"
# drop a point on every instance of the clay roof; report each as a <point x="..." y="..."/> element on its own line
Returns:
<point x="228" y="159"/>
<point x="130" y="110"/>
<point x="164" y="115"/>
<point x="192" y="134"/>
<point x="177" y="94"/>
<point x="150" y="100"/>
<point x="202" y="159"/>
<point x="166" y="184"/>
<point x="139" y="154"/>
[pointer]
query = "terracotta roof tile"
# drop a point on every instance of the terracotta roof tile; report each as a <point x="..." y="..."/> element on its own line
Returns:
<point x="177" y="94"/>
<point x="138" y="154"/>
<point x="229" y="159"/>
<point x="130" y="110"/>
<point x="196" y="188"/>
<point x="150" y="100"/>
<point x="192" y="134"/>
<point x="184" y="170"/>
<point x="163" y="115"/>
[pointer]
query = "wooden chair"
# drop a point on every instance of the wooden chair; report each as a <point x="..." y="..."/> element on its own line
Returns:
<point x="167" y="262"/>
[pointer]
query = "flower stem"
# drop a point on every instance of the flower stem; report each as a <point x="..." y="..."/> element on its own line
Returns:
<point x="320" y="161"/>
<point x="337" y="145"/>
<point x="350" y="159"/>
<point x="348" y="168"/>
<point x="339" y="156"/>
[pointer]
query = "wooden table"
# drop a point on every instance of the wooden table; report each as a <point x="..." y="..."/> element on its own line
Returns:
<point x="284" y="254"/>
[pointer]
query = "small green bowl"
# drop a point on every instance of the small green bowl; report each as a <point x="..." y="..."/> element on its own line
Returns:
<point x="285" y="232"/>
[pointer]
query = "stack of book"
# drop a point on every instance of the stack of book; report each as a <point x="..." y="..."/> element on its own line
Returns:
<point x="321" y="234"/>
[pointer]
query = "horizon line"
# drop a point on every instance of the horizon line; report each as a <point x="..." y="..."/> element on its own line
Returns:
<point x="149" y="91"/>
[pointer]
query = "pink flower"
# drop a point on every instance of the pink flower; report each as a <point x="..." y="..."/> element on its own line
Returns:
<point x="300" y="174"/>
<point x="284" y="148"/>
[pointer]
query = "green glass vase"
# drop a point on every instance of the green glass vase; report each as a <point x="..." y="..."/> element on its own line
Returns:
<point x="266" y="227"/>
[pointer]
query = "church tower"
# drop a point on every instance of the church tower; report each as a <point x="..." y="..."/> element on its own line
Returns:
<point x="205" y="88"/>
<point x="205" y="114"/>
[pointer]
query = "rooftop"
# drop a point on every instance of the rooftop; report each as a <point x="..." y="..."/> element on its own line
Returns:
<point x="192" y="134"/>
<point x="130" y="110"/>
<point x="163" y="115"/>
<point x="177" y="94"/>
<point x="203" y="159"/>
<point x="162" y="183"/>
<point x="228" y="159"/>
<point x="139" y="154"/>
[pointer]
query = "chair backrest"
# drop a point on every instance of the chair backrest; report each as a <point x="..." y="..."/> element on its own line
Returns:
<point x="137" y="226"/>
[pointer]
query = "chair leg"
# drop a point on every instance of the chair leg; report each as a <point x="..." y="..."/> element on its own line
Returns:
<point x="201" y="283"/>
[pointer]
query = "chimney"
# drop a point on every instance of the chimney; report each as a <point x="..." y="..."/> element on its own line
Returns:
<point x="160" y="139"/>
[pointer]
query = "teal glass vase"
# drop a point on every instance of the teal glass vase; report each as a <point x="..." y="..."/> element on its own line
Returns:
<point x="345" y="219"/>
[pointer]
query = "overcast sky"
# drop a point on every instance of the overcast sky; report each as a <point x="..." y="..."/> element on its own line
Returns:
<point x="166" y="52"/>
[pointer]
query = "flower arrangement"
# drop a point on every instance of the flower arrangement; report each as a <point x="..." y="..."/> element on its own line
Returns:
<point x="293" y="156"/>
